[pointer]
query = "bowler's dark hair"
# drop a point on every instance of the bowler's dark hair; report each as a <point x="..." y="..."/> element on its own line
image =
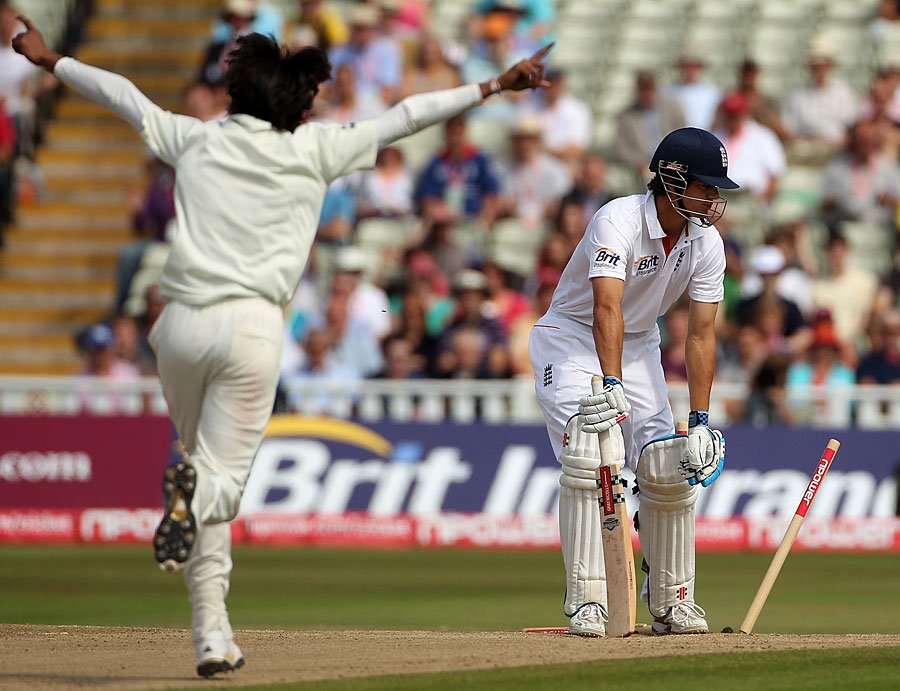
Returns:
<point x="268" y="82"/>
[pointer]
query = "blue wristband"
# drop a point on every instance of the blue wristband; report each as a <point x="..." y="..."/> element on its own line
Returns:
<point x="611" y="381"/>
<point x="698" y="417"/>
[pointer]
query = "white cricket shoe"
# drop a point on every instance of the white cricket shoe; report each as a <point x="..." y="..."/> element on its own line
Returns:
<point x="685" y="617"/>
<point x="215" y="656"/>
<point x="589" y="620"/>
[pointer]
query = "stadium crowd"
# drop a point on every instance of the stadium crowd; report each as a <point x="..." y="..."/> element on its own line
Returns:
<point x="436" y="263"/>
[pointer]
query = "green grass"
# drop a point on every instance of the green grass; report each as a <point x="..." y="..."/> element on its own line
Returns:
<point x="430" y="589"/>
<point x="477" y="590"/>
<point x="805" y="670"/>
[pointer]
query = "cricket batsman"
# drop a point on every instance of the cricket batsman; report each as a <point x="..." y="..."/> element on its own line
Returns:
<point x="248" y="193"/>
<point x="638" y="256"/>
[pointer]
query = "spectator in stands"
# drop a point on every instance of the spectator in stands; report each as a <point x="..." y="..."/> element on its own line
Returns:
<point x="367" y="302"/>
<point x="451" y="254"/>
<point x="338" y="214"/>
<point x="132" y="345"/>
<point x="412" y="326"/>
<point x="882" y="107"/>
<point x="642" y="125"/>
<point x="506" y="303"/>
<point x="888" y="14"/>
<point x="531" y="20"/>
<point x="7" y="170"/>
<point x="344" y="102"/>
<point x="400" y="361"/>
<point x="823" y="372"/>
<point x="325" y="23"/>
<point x="555" y="254"/>
<point x="672" y="353"/>
<point x="862" y="184"/>
<point x="778" y="317"/>
<point x="520" y="362"/>
<point x="267" y="20"/>
<point x="570" y="222"/>
<point x="882" y="364"/>
<point x="206" y="100"/>
<point x="17" y="79"/>
<point x="535" y="182"/>
<point x="742" y="355"/>
<point x="847" y="291"/>
<point x="794" y="283"/>
<point x="762" y="108"/>
<point x="98" y="343"/>
<point x="461" y="183"/>
<point x="590" y="191"/>
<point x="496" y="49"/>
<point x="566" y="122"/>
<point x="321" y="370"/>
<point x="756" y="157"/>
<point x="430" y="70"/>
<point x="767" y="403"/>
<point x="387" y="189"/>
<point x="238" y="17"/>
<point x="376" y="59"/>
<point x="698" y="98"/>
<point x="355" y="345"/>
<point x="817" y="115"/>
<point x="152" y="212"/>
<point x="456" y="351"/>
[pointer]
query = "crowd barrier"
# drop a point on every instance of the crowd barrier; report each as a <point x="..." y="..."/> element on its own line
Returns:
<point x="325" y="480"/>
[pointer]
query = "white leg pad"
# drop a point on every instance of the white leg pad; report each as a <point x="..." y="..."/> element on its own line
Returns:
<point x="666" y="522"/>
<point x="579" y="519"/>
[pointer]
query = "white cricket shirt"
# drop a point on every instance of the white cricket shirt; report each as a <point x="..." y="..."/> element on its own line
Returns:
<point x="248" y="199"/>
<point x="624" y="240"/>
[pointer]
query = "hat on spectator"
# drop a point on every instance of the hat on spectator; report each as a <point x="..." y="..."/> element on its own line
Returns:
<point x="821" y="51"/>
<point x="735" y="103"/>
<point x="528" y="125"/>
<point x="351" y="260"/>
<point x="470" y="279"/>
<point x="766" y="259"/>
<point x="365" y="16"/>
<point x="98" y="337"/>
<point x="239" y="8"/>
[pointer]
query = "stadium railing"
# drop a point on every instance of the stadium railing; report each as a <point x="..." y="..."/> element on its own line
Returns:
<point x="430" y="401"/>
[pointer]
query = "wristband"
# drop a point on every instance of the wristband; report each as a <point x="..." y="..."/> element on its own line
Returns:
<point x="494" y="87"/>
<point x="611" y="381"/>
<point x="698" y="417"/>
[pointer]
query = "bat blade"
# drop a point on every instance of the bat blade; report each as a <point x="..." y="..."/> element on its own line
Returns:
<point x="617" y="554"/>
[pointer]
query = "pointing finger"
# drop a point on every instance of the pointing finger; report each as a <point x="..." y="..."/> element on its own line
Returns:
<point x="26" y="21"/>
<point x="543" y="51"/>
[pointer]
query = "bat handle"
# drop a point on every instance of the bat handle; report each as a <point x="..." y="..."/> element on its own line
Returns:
<point x="682" y="427"/>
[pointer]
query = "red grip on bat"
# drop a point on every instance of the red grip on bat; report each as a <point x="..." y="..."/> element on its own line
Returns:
<point x="815" y="482"/>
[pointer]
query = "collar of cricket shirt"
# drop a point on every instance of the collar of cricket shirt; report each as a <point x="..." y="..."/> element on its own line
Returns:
<point x="655" y="230"/>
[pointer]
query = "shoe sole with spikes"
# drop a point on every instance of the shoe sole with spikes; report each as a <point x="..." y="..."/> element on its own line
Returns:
<point x="177" y="531"/>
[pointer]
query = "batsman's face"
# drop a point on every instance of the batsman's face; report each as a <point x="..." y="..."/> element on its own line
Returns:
<point x="703" y="201"/>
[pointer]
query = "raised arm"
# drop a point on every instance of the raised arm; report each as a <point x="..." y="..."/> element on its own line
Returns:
<point x="417" y="112"/>
<point x="106" y="88"/>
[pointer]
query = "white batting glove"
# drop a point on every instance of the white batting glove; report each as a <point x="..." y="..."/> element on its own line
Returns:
<point x="705" y="456"/>
<point x="599" y="412"/>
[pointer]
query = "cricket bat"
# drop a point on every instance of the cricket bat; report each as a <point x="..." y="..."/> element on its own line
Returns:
<point x="616" y="534"/>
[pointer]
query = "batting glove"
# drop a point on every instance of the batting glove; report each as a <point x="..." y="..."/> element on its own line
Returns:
<point x="705" y="456"/>
<point x="599" y="412"/>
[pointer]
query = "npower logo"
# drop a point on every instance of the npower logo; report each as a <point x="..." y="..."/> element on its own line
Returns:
<point x="299" y="470"/>
<point x="45" y="466"/>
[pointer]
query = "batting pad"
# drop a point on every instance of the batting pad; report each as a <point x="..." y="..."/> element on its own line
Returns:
<point x="666" y="523"/>
<point x="579" y="519"/>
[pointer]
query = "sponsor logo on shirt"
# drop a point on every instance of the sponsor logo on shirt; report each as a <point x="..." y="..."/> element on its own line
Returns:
<point x="646" y="265"/>
<point x="607" y="256"/>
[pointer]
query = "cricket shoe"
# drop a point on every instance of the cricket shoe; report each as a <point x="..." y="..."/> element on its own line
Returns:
<point x="685" y="617"/>
<point x="590" y="620"/>
<point x="177" y="531"/>
<point x="216" y="656"/>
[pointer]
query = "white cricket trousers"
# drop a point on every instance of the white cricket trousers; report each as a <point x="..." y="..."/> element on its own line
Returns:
<point x="564" y="359"/>
<point x="219" y="367"/>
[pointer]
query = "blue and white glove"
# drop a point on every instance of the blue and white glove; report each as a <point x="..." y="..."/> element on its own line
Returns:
<point x="602" y="411"/>
<point x="705" y="455"/>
